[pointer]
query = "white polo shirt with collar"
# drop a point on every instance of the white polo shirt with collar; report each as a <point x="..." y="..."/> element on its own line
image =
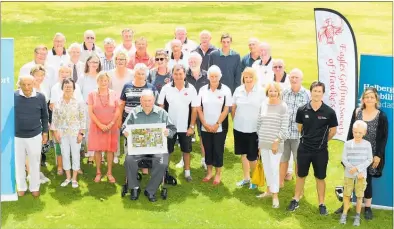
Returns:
<point x="121" y="48"/>
<point x="247" y="111"/>
<point x="85" y="53"/>
<point x="57" y="93"/>
<point x="265" y="74"/>
<point x="57" y="61"/>
<point x="180" y="103"/>
<point x="212" y="103"/>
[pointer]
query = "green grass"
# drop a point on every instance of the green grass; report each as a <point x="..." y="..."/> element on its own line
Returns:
<point x="288" y="27"/>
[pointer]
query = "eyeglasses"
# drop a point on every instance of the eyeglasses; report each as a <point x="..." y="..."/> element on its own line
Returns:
<point x="91" y="38"/>
<point x="161" y="59"/>
<point x="278" y="67"/>
<point x="122" y="59"/>
<point x="93" y="62"/>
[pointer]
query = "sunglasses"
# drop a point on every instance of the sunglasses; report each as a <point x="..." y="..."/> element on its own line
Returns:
<point x="161" y="59"/>
<point x="91" y="38"/>
<point x="278" y="67"/>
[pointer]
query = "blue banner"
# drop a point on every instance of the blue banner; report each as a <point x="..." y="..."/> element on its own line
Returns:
<point x="8" y="189"/>
<point x="377" y="71"/>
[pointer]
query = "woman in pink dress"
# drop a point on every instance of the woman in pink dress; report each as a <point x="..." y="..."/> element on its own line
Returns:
<point x="103" y="133"/>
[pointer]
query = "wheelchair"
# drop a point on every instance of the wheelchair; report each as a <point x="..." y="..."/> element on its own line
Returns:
<point x="167" y="179"/>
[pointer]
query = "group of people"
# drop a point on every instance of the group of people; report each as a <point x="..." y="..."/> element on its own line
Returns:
<point x="86" y="99"/>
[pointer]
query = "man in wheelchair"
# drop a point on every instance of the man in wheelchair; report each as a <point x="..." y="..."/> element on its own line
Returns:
<point x="147" y="113"/>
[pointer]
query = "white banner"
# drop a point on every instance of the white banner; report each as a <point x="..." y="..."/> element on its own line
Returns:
<point x="337" y="64"/>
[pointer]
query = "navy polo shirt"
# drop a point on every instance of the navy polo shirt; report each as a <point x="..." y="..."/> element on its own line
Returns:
<point x="315" y="126"/>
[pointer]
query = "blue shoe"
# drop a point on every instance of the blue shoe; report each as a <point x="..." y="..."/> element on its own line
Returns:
<point x="252" y="186"/>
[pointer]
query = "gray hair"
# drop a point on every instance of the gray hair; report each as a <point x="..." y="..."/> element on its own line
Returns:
<point x="266" y="46"/>
<point x="25" y="77"/>
<point x="143" y="67"/>
<point x="147" y="92"/>
<point x="278" y="61"/>
<point x="109" y="41"/>
<point x="176" y="41"/>
<point x="180" y="28"/>
<point x="59" y="35"/>
<point x="74" y="46"/>
<point x="298" y="72"/>
<point x="89" y="31"/>
<point x="214" y="69"/>
<point x="205" y="32"/>
<point x="360" y="123"/>
<point x="196" y="55"/>
<point x="253" y="40"/>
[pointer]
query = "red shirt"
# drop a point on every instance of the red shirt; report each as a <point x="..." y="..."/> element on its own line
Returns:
<point x="135" y="59"/>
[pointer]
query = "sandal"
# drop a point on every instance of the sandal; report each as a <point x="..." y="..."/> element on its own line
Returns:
<point x="111" y="178"/>
<point x="65" y="183"/>
<point x="206" y="179"/>
<point x="74" y="184"/>
<point x="97" y="178"/>
<point x="264" y="194"/>
<point x="90" y="162"/>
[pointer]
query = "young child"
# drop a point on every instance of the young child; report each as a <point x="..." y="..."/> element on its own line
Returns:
<point x="357" y="156"/>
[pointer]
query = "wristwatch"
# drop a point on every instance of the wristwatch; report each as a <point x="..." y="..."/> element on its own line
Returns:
<point x="191" y="127"/>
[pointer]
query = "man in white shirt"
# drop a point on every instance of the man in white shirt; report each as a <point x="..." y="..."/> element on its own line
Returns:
<point x="264" y="65"/>
<point x="77" y="66"/>
<point x="88" y="46"/>
<point x="187" y="44"/>
<point x="179" y="99"/>
<point x="58" y="56"/>
<point x="127" y="45"/>
<point x="40" y="55"/>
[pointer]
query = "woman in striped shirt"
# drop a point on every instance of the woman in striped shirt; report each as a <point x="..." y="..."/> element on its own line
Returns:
<point x="272" y="129"/>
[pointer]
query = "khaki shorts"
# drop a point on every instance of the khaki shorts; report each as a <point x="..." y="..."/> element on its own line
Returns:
<point x="289" y="146"/>
<point x="359" y="187"/>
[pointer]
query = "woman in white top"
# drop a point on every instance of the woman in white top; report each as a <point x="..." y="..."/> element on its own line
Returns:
<point x="88" y="84"/>
<point x="247" y="99"/>
<point x="272" y="129"/>
<point x="56" y="95"/>
<point x="119" y="77"/>
<point x="216" y="101"/>
<point x="280" y="76"/>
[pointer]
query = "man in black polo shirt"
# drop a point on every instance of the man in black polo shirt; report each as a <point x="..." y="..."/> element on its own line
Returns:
<point x="317" y="124"/>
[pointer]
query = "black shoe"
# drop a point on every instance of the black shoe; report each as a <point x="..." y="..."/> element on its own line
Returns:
<point x="368" y="213"/>
<point x="151" y="197"/>
<point x="135" y="193"/>
<point x="339" y="210"/>
<point x="293" y="205"/>
<point x="164" y="193"/>
<point x="323" y="209"/>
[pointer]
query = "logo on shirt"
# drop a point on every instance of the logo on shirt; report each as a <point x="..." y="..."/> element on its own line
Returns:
<point x="219" y="97"/>
<point x="186" y="94"/>
<point x="306" y="116"/>
<point x="321" y="117"/>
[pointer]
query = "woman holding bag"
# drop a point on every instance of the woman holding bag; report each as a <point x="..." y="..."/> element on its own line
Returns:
<point x="247" y="99"/>
<point x="272" y="129"/>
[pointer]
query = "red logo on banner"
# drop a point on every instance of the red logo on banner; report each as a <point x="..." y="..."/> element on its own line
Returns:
<point x="329" y="31"/>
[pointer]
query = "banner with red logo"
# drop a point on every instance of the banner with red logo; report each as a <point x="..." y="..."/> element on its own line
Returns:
<point x="337" y="65"/>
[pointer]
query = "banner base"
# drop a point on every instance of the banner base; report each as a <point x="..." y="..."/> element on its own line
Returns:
<point x="9" y="197"/>
<point x="374" y="206"/>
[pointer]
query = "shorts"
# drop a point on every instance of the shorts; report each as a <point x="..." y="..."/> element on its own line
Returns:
<point x="319" y="160"/>
<point x="184" y="141"/>
<point x="290" y="146"/>
<point x="349" y="186"/>
<point x="246" y="143"/>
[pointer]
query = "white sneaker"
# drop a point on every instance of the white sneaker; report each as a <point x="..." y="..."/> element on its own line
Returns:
<point x="74" y="184"/>
<point x="203" y="164"/>
<point x="43" y="178"/>
<point x="193" y="139"/>
<point x="116" y="160"/>
<point x="65" y="183"/>
<point x="275" y="203"/>
<point x="180" y="164"/>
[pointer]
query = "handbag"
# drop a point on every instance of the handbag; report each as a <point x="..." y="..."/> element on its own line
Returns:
<point x="258" y="177"/>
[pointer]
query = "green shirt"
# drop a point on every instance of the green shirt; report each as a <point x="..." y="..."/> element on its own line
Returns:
<point x="157" y="115"/>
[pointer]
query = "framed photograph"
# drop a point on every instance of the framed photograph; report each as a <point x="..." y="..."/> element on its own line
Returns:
<point x="146" y="139"/>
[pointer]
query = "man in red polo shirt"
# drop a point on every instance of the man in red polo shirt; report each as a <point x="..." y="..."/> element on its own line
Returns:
<point x="141" y="55"/>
